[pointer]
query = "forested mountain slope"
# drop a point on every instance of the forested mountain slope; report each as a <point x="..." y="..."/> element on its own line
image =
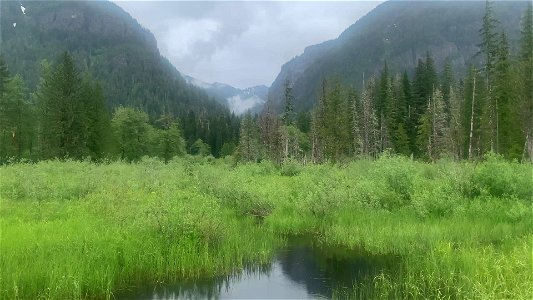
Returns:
<point x="105" y="41"/>
<point x="113" y="48"/>
<point x="399" y="32"/>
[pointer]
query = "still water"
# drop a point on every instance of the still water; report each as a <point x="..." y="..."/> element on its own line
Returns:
<point x="299" y="271"/>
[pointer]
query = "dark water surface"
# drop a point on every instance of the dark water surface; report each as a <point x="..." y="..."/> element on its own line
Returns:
<point x="299" y="271"/>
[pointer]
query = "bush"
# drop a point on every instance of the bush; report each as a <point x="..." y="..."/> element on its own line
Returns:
<point x="500" y="178"/>
<point x="291" y="167"/>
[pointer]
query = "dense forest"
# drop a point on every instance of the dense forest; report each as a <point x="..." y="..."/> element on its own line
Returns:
<point x="430" y="116"/>
<point x="67" y="117"/>
<point x="112" y="50"/>
<point x="433" y="115"/>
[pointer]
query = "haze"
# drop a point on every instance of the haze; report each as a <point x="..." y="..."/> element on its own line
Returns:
<point x="241" y="43"/>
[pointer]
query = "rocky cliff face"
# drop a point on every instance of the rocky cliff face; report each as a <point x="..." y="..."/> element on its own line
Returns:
<point x="399" y="32"/>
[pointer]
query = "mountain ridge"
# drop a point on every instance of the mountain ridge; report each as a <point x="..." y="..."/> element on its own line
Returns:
<point x="104" y="41"/>
<point x="238" y="100"/>
<point x="399" y="32"/>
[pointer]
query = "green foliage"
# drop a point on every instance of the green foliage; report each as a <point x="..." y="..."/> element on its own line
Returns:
<point x="227" y="149"/>
<point x="249" y="148"/>
<point x="290" y="167"/>
<point x="498" y="178"/>
<point x="16" y="121"/>
<point x="131" y="130"/>
<point x="86" y="230"/>
<point x="200" y="148"/>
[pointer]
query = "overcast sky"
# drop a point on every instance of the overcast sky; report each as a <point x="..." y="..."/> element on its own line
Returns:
<point x="241" y="43"/>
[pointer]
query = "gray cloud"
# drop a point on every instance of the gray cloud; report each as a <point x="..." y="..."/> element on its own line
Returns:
<point x="241" y="43"/>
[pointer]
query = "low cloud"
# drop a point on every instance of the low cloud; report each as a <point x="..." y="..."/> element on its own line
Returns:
<point x="241" y="43"/>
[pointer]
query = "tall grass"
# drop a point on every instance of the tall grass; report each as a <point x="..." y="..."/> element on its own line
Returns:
<point x="82" y="230"/>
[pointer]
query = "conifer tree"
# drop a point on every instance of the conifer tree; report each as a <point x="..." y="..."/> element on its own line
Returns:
<point x="398" y="115"/>
<point x="15" y="120"/>
<point x="526" y="74"/>
<point x="489" y="40"/>
<point x="489" y="49"/>
<point x="508" y="136"/>
<point x="288" y="114"/>
<point x="4" y="75"/>
<point x="355" y="111"/>
<point x="269" y="124"/>
<point x="97" y="121"/>
<point x="249" y="148"/>
<point x="447" y="84"/>
<point x="318" y="126"/>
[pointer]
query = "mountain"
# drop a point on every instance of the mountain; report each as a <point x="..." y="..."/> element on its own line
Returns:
<point x="105" y="42"/>
<point x="400" y="33"/>
<point x="112" y="47"/>
<point x="237" y="100"/>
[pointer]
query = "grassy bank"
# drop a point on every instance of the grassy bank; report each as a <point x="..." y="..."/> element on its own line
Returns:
<point x="82" y="230"/>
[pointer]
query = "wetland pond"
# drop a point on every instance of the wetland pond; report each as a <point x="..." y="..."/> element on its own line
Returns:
<point x="297" y="271"/>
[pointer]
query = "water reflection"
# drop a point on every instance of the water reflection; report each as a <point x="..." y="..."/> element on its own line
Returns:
<point x="300" y="271"/>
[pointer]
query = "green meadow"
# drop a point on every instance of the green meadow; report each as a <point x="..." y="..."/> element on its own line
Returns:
<point x="76" y="230"/>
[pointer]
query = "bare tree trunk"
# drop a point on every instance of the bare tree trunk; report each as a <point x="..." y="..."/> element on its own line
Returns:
<point x="528" y="148"/>
<point x="472" y="120"/>
<point x="497" y="127"/>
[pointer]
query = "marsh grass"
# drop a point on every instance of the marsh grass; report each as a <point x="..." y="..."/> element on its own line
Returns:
<point x="81" y="230"/>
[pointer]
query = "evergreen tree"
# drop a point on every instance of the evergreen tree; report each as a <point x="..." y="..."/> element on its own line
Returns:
<point x="4" y="75"/>
<point x="526" y="74"/>
<point x="424" y="84"/>
<point x="384" y="105"/>
<point x="332" y="125"/>
<point x="489" y="49"/>
<point x="97" y="121"/>
<point x="355" y="109"/>
<point x="49" y="128"/>
<point x="318" y="126"/>
<point x="63" y="124"/>
<point x="288" y="114"/>
<point x="398" y="115"/>
<point x="16" y="132"/>
<point x="269" y="124"/>
<point x="227" y="149"/>
<point x="200" y="148"/>
<point x="447" y="84"/>
<point x="420" y="95"/>
<point x="73" y="140"/>
<point x="489" y="40"/>
<point x="509" y="138"/>
<point x="249" y="148"/>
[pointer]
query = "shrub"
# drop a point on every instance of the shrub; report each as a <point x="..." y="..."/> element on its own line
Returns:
<point x="500" y="178"/>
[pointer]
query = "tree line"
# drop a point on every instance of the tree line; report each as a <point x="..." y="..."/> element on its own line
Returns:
<point x="429" y="115"/>
<point x="68" y="117"/>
